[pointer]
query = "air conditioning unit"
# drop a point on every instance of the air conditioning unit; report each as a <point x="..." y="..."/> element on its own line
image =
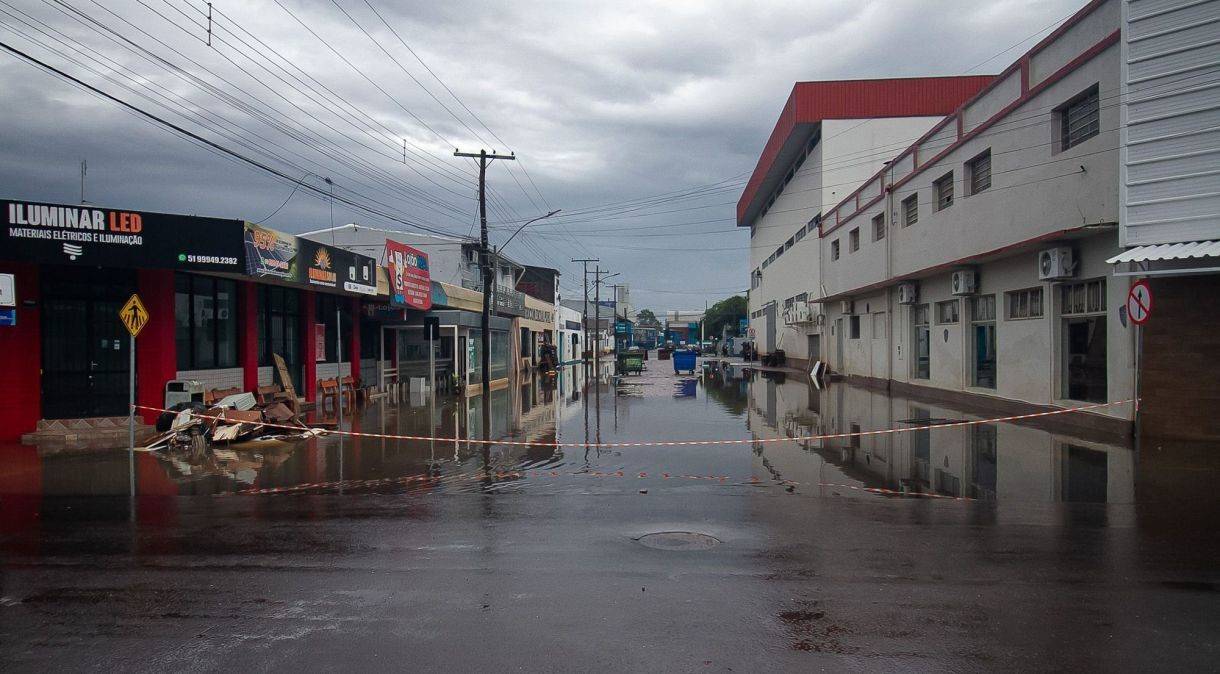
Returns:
<point x="965" y="282"/>
<point x="847" y="307"/>
<point x="907" y="293"/>
<point x="1056" y="263"/>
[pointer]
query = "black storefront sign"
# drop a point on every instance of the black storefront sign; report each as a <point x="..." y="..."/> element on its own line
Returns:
<point x="331" y="267"/>
<point x="106" y="237"/>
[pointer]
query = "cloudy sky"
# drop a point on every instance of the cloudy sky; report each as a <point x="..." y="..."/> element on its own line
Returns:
<point x="640" y="121"/>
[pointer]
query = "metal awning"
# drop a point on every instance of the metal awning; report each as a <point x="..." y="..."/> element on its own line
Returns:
<point x="1166" y="259"/>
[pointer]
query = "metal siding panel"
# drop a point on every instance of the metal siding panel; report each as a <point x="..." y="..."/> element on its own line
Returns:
<point x="1172" y="192"/>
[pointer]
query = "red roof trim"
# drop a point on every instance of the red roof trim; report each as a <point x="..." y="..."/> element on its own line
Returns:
<point x="813" y="102"/>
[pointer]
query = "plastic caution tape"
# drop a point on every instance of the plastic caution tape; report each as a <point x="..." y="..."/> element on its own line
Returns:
<point x="689" y="443"/>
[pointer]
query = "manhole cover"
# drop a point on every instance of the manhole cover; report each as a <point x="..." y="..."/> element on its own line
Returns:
<point x="679" y="540"/>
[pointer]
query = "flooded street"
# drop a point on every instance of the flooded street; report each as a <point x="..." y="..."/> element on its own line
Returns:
<point x="992" y="545"/>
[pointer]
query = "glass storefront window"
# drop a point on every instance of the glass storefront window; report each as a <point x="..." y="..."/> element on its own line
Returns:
<point x="278" y="328"/>
<point x="205" y="320"/>
<point x="327" y="306"/>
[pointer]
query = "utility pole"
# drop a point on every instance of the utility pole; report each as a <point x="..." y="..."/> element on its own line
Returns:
<point x="597" y="311"/>
<point x="597" y="323"/>
<point x="584" y="308"/>
<point x="84" y="168"/>
<point x="484" y="265"/>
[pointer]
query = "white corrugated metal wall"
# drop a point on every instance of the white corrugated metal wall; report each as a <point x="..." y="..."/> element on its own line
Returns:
<point x="1170" y="173"/>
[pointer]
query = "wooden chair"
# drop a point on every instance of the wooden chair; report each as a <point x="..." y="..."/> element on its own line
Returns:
<point x="347" y="390"/>
<point x="329" y="389"/>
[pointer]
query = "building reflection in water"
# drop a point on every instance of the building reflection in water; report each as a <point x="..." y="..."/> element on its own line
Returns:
<point x="528" y="412"/>
<point x="1010" y="461"/>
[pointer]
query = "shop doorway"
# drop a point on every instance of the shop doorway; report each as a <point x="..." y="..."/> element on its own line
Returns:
<point x="85" y="349"/>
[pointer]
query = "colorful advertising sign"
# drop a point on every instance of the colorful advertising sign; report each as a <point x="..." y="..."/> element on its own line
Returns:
<point x="410" y="279"/>
<point x="272" y="254"/>
<point x="106" y="237"/>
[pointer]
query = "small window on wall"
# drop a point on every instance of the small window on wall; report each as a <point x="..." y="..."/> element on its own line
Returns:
<point x="879" y="227"/>
<point x="943" y="189"/>
<point x="853" y="327"/>
<point x="947" y="312"/>
<point x="978" y="172"/>
<point x="1024" y="303"/>
<point x="834" y="249"/>
<point x="205" y="317"/>
<point x="1079" y="119"/>
<point x="853" y="240"/>
<point x="910" y="210"/>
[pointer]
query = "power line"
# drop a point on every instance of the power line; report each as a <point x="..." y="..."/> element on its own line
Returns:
<point x="209" y="143"/>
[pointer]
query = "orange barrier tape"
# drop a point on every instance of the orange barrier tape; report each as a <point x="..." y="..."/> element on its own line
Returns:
<point x="687" y="443"/>
<point x="529" y="474"/>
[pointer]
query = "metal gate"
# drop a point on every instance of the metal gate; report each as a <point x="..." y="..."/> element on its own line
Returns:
<point x="85" y="349"/>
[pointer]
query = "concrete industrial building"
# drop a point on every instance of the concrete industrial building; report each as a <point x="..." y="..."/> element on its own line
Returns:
<point x="973" y="263"/>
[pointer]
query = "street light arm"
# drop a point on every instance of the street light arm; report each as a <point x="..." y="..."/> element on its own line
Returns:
<point x="528" y="222"/>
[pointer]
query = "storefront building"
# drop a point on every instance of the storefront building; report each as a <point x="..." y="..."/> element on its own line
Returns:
<point x="222" y="296"/>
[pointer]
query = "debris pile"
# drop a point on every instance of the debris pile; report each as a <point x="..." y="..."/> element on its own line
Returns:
<point x="232" y="419"/>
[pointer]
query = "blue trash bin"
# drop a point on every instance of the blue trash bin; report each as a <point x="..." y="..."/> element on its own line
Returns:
<point x="684" y="361"/>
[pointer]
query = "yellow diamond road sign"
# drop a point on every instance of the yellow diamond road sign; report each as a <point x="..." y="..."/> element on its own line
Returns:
<point x="134" y="315"/>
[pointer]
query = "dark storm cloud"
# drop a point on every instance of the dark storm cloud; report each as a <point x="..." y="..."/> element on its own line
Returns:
<point x="603" y="102"/>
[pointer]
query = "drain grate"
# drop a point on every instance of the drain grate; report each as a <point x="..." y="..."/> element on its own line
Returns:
<point x="678" y="540"/>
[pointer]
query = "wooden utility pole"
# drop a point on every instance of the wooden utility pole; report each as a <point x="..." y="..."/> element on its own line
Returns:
<point x="485" y="266"/>
<point x="584" y="308"/>
<point x="597" y="311"/>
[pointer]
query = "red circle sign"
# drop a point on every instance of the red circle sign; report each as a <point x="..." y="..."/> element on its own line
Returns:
<point x="1139" y="302"/>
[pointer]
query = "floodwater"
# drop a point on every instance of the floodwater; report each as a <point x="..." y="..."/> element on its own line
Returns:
<point x="575" y="433"/>
<point x="575" y="538"/>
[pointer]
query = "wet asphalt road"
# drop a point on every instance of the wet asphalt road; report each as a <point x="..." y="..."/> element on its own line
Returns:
<point x="547" y="573"/>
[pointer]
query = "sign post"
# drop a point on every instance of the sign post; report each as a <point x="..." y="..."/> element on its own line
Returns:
<point x="432" y="330"/>
<point x="1139" y="309"/>
<point x="134" y="317"/>
<point x="1139" y="302"/>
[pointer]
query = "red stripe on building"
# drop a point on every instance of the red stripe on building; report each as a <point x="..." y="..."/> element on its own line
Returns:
<point x="812" y="102"/>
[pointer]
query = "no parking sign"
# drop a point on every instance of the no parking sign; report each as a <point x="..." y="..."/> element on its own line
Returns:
<point x="1139" y="302"/>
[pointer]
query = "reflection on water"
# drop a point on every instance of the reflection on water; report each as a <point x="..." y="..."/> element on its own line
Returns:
<point x="1003" y="461"/>
<point x="990" y="461"/>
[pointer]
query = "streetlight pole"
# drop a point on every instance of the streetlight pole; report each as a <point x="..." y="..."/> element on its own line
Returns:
<point x="584" y="313"/>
